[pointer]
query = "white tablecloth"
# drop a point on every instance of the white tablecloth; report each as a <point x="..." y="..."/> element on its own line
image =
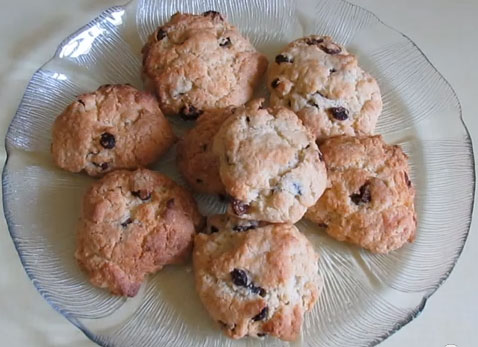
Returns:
<point x="446" y="30"/>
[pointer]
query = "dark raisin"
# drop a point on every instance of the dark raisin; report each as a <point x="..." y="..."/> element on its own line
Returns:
<point x="81" y="102"/>
<point x="363" y="196"/>
<point x="239" y="207"/>
<point x="248" y="119"/>
<point x="204" y="148"/>
<point x="312" y="103"/>
<point x="213" y="14"/>
<point x="126" y="222"/>
<point x="240" y="278"/>
<point x="339" y="113"/>
<point x="257" y="290"/>
<point x="332" y="71"/>
<point x="214" y="229"/>
<point x="142" y="194"/>
<point x="331" y="48"/>
<point x="261" y="106"/>
<point x="312" y="41"/>
<point x="275" y="83"/>
<point x="261" y="315"/>
<point x="322" y="225"/>
<point x="103" y="166"/>
<point x="321" y="157"/>
<point x="108" y="140"/>
<point x="190" y="112"/>
<point x="170" y="203"/>
<point x="225" y="42"/>
<point x="407" y="179"/>
<point x="283" y="59"/>
<point x="298" y="188"/>
<point x="161" y="34"/>
<point x="250" y="226"/>
<point x="198" y="180"/>
<point x="261" y="334"/>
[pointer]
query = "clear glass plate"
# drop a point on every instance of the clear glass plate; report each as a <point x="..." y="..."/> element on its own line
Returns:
<point x="366" y="298"/>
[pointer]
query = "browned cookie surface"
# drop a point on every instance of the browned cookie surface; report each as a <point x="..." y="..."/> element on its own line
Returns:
<point x="196" y="160"/>
<point x="134" y="223"/>
<point x="369" y="200"/>
<point x="115" y="127"/>
<point x="200" y="62"/>
<point x="322" y="82"/>
<point x="256" y="279"/>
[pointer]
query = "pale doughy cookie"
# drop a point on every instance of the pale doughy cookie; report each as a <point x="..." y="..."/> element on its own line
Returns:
<point x="269" y="164"/>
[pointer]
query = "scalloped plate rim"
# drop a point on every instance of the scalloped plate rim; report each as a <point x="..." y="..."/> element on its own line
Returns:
<point x="415" y="313"/>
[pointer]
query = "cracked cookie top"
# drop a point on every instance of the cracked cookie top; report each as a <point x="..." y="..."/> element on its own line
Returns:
<point x="322" y="82"/>
<point x="369" y="200"/>
<point x="255" y="279"/>
<point x="115" y="127"/>
<point x="269" y="164"/>
<point x="134" y="223"/>
<point x="200" y="62"/>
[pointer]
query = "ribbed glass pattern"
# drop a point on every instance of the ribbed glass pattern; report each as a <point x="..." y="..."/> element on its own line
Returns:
<point x="366" y="297"/>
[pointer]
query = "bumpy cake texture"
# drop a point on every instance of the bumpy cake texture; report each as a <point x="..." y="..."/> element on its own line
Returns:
<point x="323" y="83"/>
<point x="115" y="127"/>
<point x="200" y="62"/>
<point x="269" y="164"/>
<point x="256" y="279"/>
<point x="134" y="223"/>
<point x="369" y="200"/>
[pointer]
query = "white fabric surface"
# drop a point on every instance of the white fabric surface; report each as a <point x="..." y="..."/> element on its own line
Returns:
<point x="447" y="31"/>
